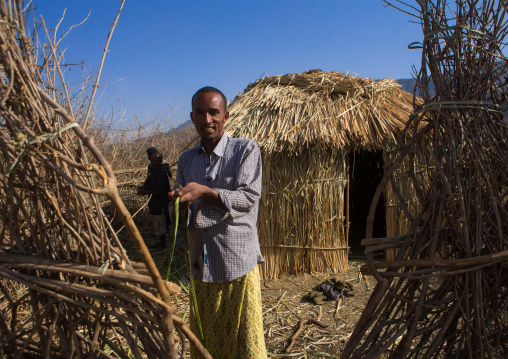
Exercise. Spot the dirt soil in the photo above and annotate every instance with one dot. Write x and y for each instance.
(285, 306)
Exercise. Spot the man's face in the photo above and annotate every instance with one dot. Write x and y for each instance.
(155, 161)
(209, 116)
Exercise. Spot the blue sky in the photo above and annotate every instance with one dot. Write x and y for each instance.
(163, 51)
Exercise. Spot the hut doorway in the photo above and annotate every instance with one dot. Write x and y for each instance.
(365, 174)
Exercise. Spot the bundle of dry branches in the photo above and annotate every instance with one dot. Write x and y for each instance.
(446, 292)
(68, 288)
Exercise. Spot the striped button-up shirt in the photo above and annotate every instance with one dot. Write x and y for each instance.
(224, 238)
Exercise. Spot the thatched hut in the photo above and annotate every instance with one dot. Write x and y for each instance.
(322, 138)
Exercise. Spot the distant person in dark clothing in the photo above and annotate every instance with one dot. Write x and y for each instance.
(157, 184)
(149, 152)
(165, 165)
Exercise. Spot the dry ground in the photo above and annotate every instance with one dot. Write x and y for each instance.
(285, 306)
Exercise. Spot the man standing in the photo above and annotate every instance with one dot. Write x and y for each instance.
(157, 184)
(165, 166)
(221, 180)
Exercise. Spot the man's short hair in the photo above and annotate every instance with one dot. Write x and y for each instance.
(151, 150)
(211, 89)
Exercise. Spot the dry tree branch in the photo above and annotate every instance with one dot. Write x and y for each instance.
(96, 86)
(110, 190)
(300, 329)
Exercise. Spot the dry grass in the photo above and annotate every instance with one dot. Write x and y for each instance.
(125, 150)
(285, 306)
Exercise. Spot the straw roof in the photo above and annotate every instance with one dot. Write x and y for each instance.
(324, 109)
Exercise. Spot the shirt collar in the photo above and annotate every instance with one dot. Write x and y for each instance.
(220, 148)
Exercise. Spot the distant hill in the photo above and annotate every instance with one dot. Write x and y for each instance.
(186, 124)
(409, 85)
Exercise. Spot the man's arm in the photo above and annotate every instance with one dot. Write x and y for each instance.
(248, 192)
(236, 202)
(149, 176)
(162, 185)
(147, 180)
(166, 167)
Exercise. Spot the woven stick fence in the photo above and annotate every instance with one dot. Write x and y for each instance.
(446, 293)
(68, 288)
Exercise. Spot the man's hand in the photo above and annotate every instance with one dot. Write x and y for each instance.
(192, 192)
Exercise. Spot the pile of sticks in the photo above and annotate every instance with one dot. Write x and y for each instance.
(446, 292)
(67, 288)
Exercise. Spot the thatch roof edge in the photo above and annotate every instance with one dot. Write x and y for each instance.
(315, 109)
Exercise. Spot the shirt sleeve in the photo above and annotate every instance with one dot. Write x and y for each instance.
(241, 200)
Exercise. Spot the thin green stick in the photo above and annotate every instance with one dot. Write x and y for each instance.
(177, 215)
(192, 290)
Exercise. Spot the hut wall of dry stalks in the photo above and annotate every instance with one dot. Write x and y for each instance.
(301, 219)
(305, 125)
(402, 202)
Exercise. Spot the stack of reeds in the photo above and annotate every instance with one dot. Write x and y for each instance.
(402, 201)
(446, 295)
(67, 288)
(301, 217)
(305, 124)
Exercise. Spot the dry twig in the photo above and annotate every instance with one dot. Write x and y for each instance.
(300, 329)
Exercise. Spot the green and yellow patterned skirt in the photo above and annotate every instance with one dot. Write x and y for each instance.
(231, 318)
